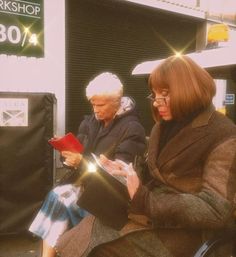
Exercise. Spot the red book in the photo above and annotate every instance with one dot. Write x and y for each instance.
(67, 143)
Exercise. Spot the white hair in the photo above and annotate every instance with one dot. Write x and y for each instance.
(105, 84)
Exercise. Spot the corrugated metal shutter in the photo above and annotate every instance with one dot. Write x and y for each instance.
(114, 36)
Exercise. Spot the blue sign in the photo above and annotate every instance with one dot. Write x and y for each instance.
(229, 98)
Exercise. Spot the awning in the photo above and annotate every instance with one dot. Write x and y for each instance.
(220, 62)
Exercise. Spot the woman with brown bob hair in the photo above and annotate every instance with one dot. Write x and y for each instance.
(191, 193)
(191, 87)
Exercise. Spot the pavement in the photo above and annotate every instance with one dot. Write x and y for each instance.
(24, 244)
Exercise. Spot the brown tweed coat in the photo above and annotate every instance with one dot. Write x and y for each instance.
(192, 196)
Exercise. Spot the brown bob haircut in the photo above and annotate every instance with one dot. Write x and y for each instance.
(191, 88)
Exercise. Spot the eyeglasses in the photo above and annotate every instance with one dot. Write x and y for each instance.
(158, 100)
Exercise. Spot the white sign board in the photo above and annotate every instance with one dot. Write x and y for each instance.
(13, 112)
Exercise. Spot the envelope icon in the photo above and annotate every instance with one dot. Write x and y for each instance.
(14, 118)
(13, 112)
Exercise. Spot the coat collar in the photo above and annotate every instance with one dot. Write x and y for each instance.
(203, 118)
(193, 132)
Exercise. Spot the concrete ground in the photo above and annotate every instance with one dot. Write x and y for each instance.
(19, 246)
(23, 245)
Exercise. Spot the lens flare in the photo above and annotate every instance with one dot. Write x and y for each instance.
(92, 167)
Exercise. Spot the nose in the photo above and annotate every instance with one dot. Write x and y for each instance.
(95, 112)
(95, 108)
(157, 104)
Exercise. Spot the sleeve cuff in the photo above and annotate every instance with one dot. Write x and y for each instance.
(137, 204)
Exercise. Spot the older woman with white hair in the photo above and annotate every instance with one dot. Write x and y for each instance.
(114, 130)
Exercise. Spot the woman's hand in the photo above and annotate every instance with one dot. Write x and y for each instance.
(117, 167)
(121, 168)
(72, 159)
(133, 181)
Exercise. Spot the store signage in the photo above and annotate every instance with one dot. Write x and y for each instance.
(21, 28)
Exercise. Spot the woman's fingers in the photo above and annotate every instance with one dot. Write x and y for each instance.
(108, 163)
(113, 167)
(133, 181)
(66, 153)
(71, 159)
(121, 168)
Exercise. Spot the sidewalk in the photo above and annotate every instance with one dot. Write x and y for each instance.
(19, 246)
(23, 245)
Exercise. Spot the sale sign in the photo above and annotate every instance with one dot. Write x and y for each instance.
(21, 28)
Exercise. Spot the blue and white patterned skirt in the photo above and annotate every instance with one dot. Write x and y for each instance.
(58, 213)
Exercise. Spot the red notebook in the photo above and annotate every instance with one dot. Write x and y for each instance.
(67, 143)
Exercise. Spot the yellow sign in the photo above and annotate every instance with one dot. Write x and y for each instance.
(218, 33)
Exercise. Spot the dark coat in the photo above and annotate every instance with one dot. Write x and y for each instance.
(124, 138)
(192, 196)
